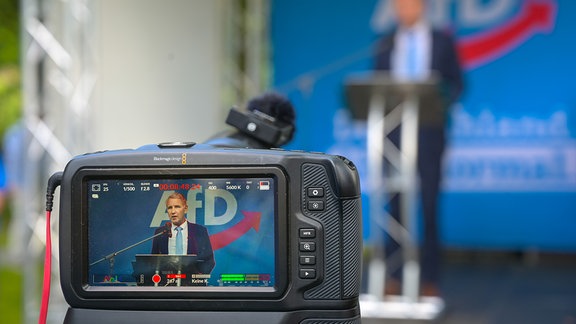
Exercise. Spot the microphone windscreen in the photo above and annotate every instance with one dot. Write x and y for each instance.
(275, 105)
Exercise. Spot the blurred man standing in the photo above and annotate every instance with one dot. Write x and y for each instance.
(413, 51)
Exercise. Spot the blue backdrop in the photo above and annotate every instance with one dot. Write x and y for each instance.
(510, 179)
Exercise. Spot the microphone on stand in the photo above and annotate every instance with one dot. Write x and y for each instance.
(168, 229)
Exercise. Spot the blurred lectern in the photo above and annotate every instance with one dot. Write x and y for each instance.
(162, 270)
(387, 104)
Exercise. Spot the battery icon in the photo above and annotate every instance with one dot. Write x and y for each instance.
(264, 185)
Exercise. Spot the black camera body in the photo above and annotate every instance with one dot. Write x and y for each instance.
(283, 241)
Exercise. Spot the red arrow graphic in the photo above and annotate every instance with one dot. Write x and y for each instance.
(535, 16)
(222, 239)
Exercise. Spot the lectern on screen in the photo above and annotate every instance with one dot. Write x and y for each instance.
(361, 89)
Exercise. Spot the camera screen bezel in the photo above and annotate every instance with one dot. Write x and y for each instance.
(79, 232)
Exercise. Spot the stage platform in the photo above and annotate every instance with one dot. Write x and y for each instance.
(494, 288)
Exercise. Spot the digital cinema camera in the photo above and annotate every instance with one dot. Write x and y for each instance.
(284, 236)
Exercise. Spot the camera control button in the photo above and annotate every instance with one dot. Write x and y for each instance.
(315, 205)
(315, 192)
(307, 273)
(176, 145)
(307, 246)
(307, 260)
(307, 233)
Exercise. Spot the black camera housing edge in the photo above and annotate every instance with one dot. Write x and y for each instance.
(331, 296)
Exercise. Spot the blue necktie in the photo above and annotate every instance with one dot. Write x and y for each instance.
(412, 58)
(179, 250)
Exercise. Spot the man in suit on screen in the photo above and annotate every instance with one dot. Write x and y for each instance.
(183, 237)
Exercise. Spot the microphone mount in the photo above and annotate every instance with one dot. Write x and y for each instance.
(110, 257)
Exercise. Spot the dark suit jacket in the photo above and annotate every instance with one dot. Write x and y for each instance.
(444, 60)
(198, 243)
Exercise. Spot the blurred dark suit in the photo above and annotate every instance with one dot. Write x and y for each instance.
(431, 138)
(198, 244)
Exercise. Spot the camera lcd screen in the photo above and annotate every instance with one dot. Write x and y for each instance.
(227, 239)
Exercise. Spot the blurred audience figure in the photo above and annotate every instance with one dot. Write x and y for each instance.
(14, 145)
(3, 191)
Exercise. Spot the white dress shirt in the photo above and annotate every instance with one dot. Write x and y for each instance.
(411, 56)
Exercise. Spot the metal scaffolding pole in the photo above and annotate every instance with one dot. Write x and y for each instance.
(387, 105)
(246, 49)
(57, 65)
(60, 70)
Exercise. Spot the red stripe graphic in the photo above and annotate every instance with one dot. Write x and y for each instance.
(535, 16)
(222, 239)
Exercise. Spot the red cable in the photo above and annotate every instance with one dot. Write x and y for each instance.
(54, 182)
(47, 270)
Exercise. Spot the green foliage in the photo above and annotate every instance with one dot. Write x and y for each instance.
(10, 110)
(9, 32)
(10, 89)
(10, 96)
(10, 296)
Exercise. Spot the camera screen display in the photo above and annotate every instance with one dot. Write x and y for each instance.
(202, 231)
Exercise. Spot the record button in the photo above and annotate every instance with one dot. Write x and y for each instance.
(315, 192)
